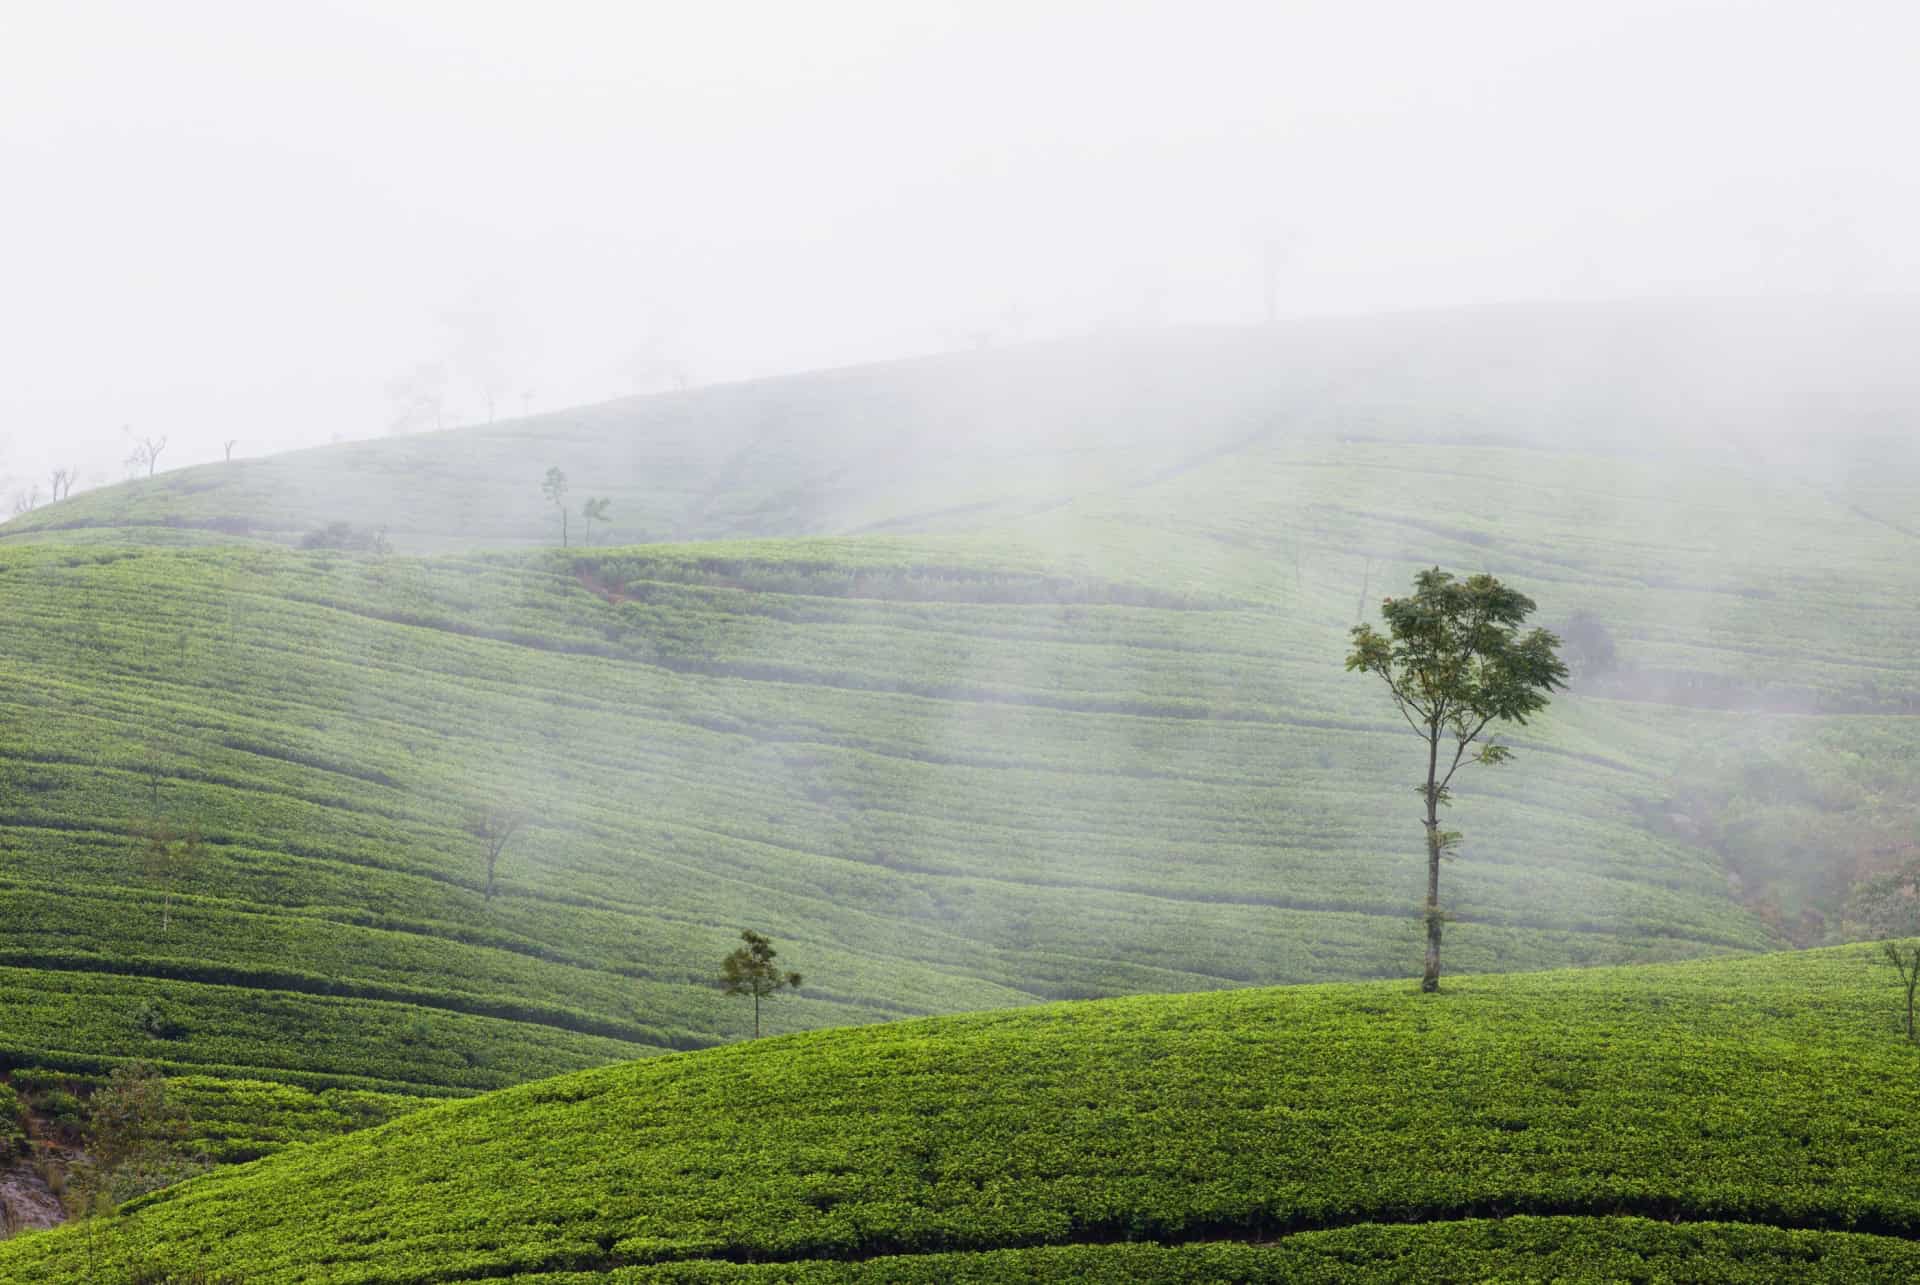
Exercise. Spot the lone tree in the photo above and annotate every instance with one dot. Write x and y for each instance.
(494, 828)
(1455, 661)
(1889, 906)
(168, 857)
(555, 489)
(594, 511)
(750, 970)
(146, 451)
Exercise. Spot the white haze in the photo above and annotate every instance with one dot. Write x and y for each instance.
(273, 222)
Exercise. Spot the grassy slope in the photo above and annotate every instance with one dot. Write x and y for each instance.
(934, 805)
(1092, 741)
(1242, 1131)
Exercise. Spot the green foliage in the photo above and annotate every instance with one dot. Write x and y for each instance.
(1079, 742)
(1710, 1104)
(1454, 659)
(950, 783)
(13, 1126)
(345, 536)
(1599, 1251)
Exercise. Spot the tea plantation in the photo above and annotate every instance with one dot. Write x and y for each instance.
(977, 683)
(1726, 1120)
(964, 785)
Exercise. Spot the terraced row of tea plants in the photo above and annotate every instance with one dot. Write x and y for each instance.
(1738, 1116)
(220, 1120)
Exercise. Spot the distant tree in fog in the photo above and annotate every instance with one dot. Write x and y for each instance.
(228, 446)
(494, 828)
(62, 483)
(479, 352)
(1589, 645)
(146, 451)
(418, 398)
(344, 535)
(1455, 662)
(750, 970)
(555, 489)
(594, 511)
(26, 501)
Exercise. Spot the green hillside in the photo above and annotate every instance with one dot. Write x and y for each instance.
(936, 802)
(1731, 1120)
(1039, 697)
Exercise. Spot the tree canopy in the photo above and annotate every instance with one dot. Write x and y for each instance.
(750, 970)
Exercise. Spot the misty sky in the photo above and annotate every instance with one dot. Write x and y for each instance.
(250, 219)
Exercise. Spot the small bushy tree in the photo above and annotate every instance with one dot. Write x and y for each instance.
(750, 970)
(1888, 905)
(1589, 644)
(136, 1140)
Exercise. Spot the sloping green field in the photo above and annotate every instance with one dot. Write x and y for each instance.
(1047, 703)
(1728, 1120)
(934, 801)
(1104, 750)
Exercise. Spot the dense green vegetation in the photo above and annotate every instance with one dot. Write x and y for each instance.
(1045, 705)
(949, 772)
(939, 804)
(1753, 1112)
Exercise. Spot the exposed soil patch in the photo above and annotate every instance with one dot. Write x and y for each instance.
(27, 1203)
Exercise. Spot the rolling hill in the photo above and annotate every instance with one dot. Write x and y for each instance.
(1729, 1120)
(991, 680)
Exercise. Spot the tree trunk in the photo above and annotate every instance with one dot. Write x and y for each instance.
(563, 528)
(1430, 980)
(756, 1015)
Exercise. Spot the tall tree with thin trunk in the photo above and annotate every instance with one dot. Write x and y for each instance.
(494, 828)
(168, 857)
(750, 970)
(594, 511)
(555, 489)
(1455, 661)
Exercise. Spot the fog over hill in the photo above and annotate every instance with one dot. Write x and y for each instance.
(730, 632)
(1817, 391)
